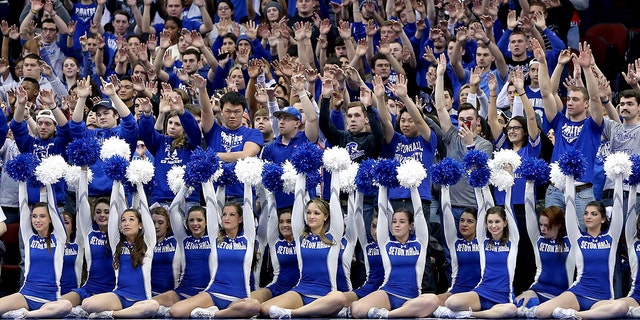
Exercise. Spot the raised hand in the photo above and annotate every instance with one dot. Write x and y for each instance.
(83, 89)
(492, 82)
(4, 27)
(584, 59)
(165, 39)
(631, 76)
(176, 103)
(371, 28)
(108, 88)
(538, 50)
(182, 75)
(361, 49)
(518, 79)
(327, 87)
(345, 30)
(252, 29)
(144, 105)
(21, 95)
(116, 82)
(297, 82)
(400, 87)
(198, 81)
(255, 68)
(36, 5)
(565, 56)
(442, 65)
(378, 87)
(243, 56)
(311, 75)
(14, 32)
(325, 26)
(47, 98)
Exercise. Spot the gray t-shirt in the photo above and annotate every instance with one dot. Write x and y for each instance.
(622, 137)
(462, 194)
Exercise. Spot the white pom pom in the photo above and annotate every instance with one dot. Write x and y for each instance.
(249, 170)
(502, 179)
(217, 174)
(51, 169)
(140, 171)
(411, 173)
(336, 159)
(503, 159)
(175, 178)
(72, 177)
(557, 177)
(289, 177)
(115, 146)
(348, 178)
(616, 164)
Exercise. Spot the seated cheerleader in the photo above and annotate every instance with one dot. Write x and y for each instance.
(165, 267)
(497, 236)
(282, 249)
(632, 234)
(132, 240)
(227, 295)
(317, 250)
(590, 296)
(43, 237)
(72, 267)
(373, 260)
(551, 248)
(403, 252)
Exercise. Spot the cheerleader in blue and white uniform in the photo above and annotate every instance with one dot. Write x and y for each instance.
(282, 249)
(227, 295)
(44, 236)
(132, 240)
(497, 236)
(590, 296)
(72, 267)
(632, 234)
(465, 260)
(165, 267)
(403, 252)
(194, 252)
(373, 260)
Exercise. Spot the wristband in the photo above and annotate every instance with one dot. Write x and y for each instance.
(604, 101)
(55, 107)
(471, 147)
(518, 94)
(34, 12)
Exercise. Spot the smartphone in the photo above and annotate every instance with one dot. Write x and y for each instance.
(467, 124)
(223, 55)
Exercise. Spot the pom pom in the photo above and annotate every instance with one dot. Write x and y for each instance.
(83, 152)
(502, 179)
(217, 174)
(115, 146)
(228, 177)
(573, 163)
(348, 178)
(479, 177)
(175, 178)
(313, 179)
(51, 169)
(474, 159)
(271, 177)
(249, 170)
(504, 159)
(116, 168)
(336, 159)
(364, 178)
(411, 173)
(289, 177)
(558, 178)
(213, 159)
(22, 167)
(386, 173)
(618, 163)
(306, 158)
(447, 173)
(72, 177)
(534, 169)
(634, 178)
(140, 171)
(201, 168)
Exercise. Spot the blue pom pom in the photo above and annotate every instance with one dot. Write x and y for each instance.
(386, 173)
(116, 168)
(23, 167)
(83, 152)
(228, 177)
(534, 169)
(306, 158)
(213, 160)
(313, 179)
(200, 168)
(634, 178)
(447, 172)
(272, 177)
(479, 177)
(475, 159)
(573, 163)
(364, 178)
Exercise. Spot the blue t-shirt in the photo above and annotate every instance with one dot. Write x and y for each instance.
(582, 135)
(417, 148)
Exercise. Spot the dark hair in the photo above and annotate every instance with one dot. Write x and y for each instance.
(139, 247)
(525, 129)
(46, 206)
(72, 235)
(555, 215)
(199, 209)
(194, 52)
(603, 212)
(630, 93)
(193, 109)
(49, 21)
(122, 12)
(470, 210)
(468, 106)
(181, 141)
(376, 57)
(505, 232)
(225, 1)
(161, 211)
(233, 98)
(32, 56)
(324, 207)
(33, 81)
(175, 20)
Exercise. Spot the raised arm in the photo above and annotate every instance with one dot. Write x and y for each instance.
(595, 106)
(546, 87)
(443, 114)
(492, 113)
(530, 115)
(383, 111)
(400, 90)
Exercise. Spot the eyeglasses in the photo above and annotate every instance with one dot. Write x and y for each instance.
(141, 145)
(513, 128)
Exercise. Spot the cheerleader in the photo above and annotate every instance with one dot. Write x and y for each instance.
(165, 267)
(632, 232)
(282, 249)
(43, 236)
(72, 266)
(372, 262)
(194, 249)
(227, 295)
(132, 241)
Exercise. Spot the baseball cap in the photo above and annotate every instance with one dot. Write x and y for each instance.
(103, 103)
(46, 114)
(290, 111)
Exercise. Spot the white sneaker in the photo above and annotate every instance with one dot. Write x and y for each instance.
(461, 314)
(344, 313)
(204, 313)
(560, 313)
(276, 312)
(634, 312)
(524, 312)
(163, 312)
(77, 312)
(15, 314)
(442, 312)
(378, 313)
(107, 314)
